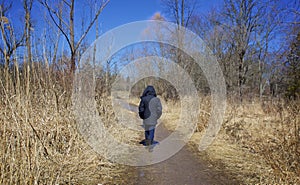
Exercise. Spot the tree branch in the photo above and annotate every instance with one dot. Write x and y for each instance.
(67, 3)
(91, 24)
(56, 24)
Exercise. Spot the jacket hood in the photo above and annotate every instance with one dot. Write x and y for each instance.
(149, 91)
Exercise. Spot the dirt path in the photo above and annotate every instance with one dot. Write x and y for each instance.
(182, 168)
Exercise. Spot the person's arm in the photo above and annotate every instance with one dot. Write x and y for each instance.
(159, 108)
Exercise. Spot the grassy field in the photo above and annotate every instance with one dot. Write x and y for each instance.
(257, 144)
(40, 143)
(39, 140)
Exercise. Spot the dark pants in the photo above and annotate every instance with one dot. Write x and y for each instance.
(149, 134)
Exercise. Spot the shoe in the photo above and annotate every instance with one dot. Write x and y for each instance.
(143, 142)
(148, 142)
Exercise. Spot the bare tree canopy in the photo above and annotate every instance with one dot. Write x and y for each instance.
(63, 18)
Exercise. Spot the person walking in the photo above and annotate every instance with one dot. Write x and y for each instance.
(150, 110)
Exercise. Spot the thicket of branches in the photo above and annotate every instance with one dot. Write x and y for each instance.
(256, 42)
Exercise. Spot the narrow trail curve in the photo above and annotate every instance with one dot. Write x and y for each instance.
(184, 168)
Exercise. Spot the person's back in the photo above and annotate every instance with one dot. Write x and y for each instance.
(150, 110)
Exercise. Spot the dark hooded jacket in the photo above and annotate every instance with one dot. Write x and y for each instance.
(150, 108)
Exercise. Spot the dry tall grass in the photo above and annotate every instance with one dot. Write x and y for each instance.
(39, 141)
(258, 142)
(265, 137)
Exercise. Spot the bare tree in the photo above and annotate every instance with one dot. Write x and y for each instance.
(242, 23)
(263, 37)
(250, 25)
(27, 5)
(180, 11)
(10, 41)
(241, 35)
(210, 29)
(290, 68)
(66, 24)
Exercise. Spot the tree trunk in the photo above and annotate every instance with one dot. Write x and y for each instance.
(28, 35)
(241, 76)
(6, 68)
(72, 38)
(73, 62)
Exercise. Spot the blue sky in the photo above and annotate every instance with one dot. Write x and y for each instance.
(117, 12)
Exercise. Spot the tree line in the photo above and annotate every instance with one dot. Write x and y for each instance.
(257, 43)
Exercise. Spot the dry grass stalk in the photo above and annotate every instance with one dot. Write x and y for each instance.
(39, 141)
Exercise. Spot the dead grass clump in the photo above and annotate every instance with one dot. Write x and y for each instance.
(39, 141)
(281, 149)
(271, 132)
(112, 122)
(171, 114)
(204, 114)
(258, 142)
(47, 149)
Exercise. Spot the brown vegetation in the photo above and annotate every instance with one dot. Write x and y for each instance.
(258, 142)
(259, 139)
(39, 139)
